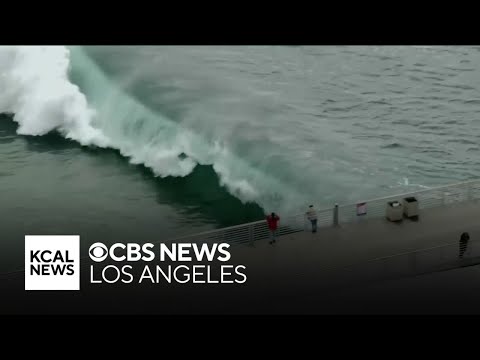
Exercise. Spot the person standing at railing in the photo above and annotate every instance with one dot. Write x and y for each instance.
(272, 221)
(312, 216)
(463, 244)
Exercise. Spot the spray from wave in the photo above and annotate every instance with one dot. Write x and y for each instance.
(36, 88)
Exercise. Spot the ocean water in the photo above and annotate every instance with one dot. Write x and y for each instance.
(159, 141)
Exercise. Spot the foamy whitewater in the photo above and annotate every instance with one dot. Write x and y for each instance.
(282, 127)
(37, 90)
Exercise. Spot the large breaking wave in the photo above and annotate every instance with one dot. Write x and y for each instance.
(36, 87)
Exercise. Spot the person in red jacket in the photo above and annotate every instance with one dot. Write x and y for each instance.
(272, 221)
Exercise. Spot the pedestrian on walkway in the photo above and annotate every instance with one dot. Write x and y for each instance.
(272, 221)
(463, 244)
(312, 216)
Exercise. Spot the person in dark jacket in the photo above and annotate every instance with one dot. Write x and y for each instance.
(272, 221)
(312, 216)
(463, 244)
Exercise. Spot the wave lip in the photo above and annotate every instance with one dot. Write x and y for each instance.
(35, 88)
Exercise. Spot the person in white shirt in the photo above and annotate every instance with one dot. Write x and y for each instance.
(312, 216)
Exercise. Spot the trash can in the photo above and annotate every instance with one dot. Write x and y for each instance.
(394, 211)
(410, 207)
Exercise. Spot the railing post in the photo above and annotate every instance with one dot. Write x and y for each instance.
(250, 235)
(335, 215)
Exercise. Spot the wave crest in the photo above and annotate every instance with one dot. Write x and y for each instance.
(35, 88)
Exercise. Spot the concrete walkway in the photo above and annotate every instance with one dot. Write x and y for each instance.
(356, 243)
(302, 266)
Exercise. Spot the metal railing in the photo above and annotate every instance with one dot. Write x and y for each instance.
(414, 263)
(249, 233)
(427, 198)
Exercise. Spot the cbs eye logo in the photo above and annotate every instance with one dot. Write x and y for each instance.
(98, 252)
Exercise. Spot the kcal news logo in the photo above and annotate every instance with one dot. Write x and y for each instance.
(52, 262)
